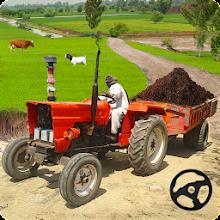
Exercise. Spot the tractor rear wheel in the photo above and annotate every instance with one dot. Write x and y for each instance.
(80, 179)
(16, 163)
(197, 138)
(148, 145)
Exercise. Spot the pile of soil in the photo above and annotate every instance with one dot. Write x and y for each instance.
(177, 88)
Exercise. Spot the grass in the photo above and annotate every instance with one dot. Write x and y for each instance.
(23, 73)
(205, 62)
(135, 23)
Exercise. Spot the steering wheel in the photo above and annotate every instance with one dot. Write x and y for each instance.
(105, 97)
(191, 190)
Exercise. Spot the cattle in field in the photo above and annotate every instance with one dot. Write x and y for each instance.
(24, 44)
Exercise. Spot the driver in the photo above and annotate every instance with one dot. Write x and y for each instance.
(119, 108)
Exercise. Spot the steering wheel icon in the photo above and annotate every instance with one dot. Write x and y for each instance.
(191, 190)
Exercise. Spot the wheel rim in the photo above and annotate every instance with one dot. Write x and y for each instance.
(21, 162)
(85, 180)
(155, 145)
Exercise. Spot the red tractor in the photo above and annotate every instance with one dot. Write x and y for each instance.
(76, 135)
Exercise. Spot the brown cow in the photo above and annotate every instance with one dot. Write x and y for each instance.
(24, 44)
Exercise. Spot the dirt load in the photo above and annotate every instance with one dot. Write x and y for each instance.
(177, 88)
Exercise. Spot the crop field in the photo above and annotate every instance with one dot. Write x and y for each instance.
(135, 23)
(23, 73)
(205, 62)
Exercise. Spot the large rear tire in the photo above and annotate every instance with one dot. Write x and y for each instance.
(197, 138)
(80, 179)
(14, 161)
(148, 145)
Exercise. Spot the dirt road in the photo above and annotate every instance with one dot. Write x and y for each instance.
(122, 195)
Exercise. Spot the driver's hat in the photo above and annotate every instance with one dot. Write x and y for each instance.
(110, 80)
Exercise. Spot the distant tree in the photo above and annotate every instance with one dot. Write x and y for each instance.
(163, 5)
(215, 21)
(40, 10)
(8, 12)
(117, 9)
(50, 13)
(120, 5)
(199, 13)
(80, 8)
(157, 17)
(144, 8)
(67, 9)
(60, 10)
(20, 14)
(215, 45)
(168, 42)
(26, 17)
(118, 29)
(93, 11)
(152, 5)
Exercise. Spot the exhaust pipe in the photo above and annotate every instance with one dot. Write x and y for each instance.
(95, 94)
(51, 80)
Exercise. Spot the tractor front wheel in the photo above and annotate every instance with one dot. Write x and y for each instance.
(148, 145)
(16, 163)
(80, 179)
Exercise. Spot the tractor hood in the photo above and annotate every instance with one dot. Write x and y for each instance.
(65, 114)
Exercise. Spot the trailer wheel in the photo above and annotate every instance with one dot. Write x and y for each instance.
(15, 162)
(80, 179)
(148, 145)
(198, 137)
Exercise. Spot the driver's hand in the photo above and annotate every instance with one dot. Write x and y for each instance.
(106, 94)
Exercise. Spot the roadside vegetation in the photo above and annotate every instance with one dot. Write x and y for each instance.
(202, 19)
(23, 73)
(136, 15)
(116, 6)
(205, 62)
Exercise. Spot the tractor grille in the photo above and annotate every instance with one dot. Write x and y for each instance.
(45, 135)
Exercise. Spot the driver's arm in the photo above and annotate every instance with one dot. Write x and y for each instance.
(115, 92)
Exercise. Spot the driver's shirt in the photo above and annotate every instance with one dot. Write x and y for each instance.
(119, 95)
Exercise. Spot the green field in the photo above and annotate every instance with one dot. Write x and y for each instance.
(205, 62)
(23, 73)
(135, 23)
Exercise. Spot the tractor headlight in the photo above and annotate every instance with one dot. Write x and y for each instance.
(70, 134)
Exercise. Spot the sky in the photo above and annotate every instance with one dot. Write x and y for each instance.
(15, 2)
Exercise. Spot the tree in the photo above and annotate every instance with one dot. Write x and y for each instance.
(26, 17)
(215, 21)
(79, 8)
(215, 45)
(199, 13)
(93, 11)
(118, 29)
(152, 5)
(163, 5)
(157, 17)
(50, 13)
